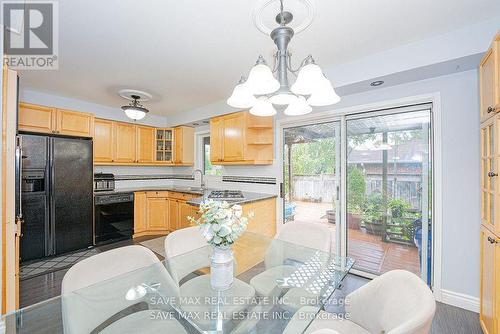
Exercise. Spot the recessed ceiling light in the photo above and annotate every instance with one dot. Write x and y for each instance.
(377, 83)
(206, 122)
(196, 124)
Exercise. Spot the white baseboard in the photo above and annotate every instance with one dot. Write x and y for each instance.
(460, 300)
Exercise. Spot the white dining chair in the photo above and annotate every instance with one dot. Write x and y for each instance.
(397, 302)
(186, 252)
(112, 292)
(294, 245)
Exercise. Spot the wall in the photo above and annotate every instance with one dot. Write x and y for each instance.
(460, 186)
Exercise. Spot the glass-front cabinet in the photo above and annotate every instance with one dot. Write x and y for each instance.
(163, 145)
(489, 173)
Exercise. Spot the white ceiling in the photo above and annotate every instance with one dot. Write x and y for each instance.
(190, 53)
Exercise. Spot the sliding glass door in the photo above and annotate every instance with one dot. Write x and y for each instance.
(368, 177)
(389, 209)
(311, 174)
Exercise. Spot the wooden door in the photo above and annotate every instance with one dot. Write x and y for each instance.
(103, 140)
(157, 214)
(173, 214)
(216, 139)
(35, 118)
(489, 279)
(185, 210)
(124, 142)
(74, 123)
(234, 137)
(140, 212)
(145, 144)
(487, 87)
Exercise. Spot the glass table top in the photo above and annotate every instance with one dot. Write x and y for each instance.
(273, 279)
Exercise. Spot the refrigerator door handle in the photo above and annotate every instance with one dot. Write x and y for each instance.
(19, 168)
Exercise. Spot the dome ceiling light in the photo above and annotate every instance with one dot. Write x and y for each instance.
(135, 110)
(266, 87)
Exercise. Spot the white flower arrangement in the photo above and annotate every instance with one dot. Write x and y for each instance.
(221, 223)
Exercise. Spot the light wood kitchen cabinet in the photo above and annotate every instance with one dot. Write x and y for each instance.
(41, 119)
(145, 143)
(140, 212)
(173, 211)
(34, 118)
(216, 136)
(74, 123)
(183, 146)
(163, 145)
(489, 81)
(158, 214)
(241, 139)
(264, 217)
(489, 76)
(124, 138)
(103, 140)
(489, 282)
(185, 211)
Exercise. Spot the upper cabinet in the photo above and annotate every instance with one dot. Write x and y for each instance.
(489, 81)
(163, 146)
(145, 143)
(118, 143)
(183, 146)
(241, 139)
(103, 140)
(40, 119)
(74, 123)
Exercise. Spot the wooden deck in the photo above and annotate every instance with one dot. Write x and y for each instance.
(370, 252)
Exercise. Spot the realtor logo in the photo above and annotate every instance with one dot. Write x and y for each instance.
(30, 34)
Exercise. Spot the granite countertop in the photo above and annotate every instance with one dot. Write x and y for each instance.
(203, 194)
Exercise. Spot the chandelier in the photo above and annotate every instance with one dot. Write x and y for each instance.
(266, 87)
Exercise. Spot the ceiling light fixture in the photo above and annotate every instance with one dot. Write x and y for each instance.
(135, 110)
(262, 89)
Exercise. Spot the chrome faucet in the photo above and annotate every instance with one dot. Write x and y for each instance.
(202, 182)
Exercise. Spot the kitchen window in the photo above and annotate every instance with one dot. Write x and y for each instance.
(208, 168)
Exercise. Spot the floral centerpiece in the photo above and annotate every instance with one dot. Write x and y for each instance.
(221, 225)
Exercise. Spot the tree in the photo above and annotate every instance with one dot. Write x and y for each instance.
(356, 188)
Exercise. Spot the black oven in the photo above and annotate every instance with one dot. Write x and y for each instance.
(114, 217)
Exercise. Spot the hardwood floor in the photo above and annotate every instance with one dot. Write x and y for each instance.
(448, 319)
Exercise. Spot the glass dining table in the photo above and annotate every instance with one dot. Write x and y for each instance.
(273, 279)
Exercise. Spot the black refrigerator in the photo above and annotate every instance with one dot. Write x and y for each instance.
(55, 193)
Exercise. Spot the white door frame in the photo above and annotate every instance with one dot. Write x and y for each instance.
(339, 115)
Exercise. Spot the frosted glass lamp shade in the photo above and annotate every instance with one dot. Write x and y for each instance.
(241, 97)
(282, 98)
(263, 107)
(298, 107)
(323, 94)
(309, 76)
(261, 80)
(135, 113)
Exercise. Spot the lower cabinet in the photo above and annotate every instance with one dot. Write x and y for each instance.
(158, 215)
(160, 212)
(264, 217)
(490, 282)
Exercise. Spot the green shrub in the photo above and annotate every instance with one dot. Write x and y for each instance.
(356, 188)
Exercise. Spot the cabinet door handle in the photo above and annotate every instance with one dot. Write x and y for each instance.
(492, 174)
(491, 109)
(492, 240)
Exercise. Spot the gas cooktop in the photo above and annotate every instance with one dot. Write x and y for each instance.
(226, 194)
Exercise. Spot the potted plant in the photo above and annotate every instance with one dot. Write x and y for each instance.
(372, 214)
(221, 224)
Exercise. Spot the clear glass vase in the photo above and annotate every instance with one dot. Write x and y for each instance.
(222, 268)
